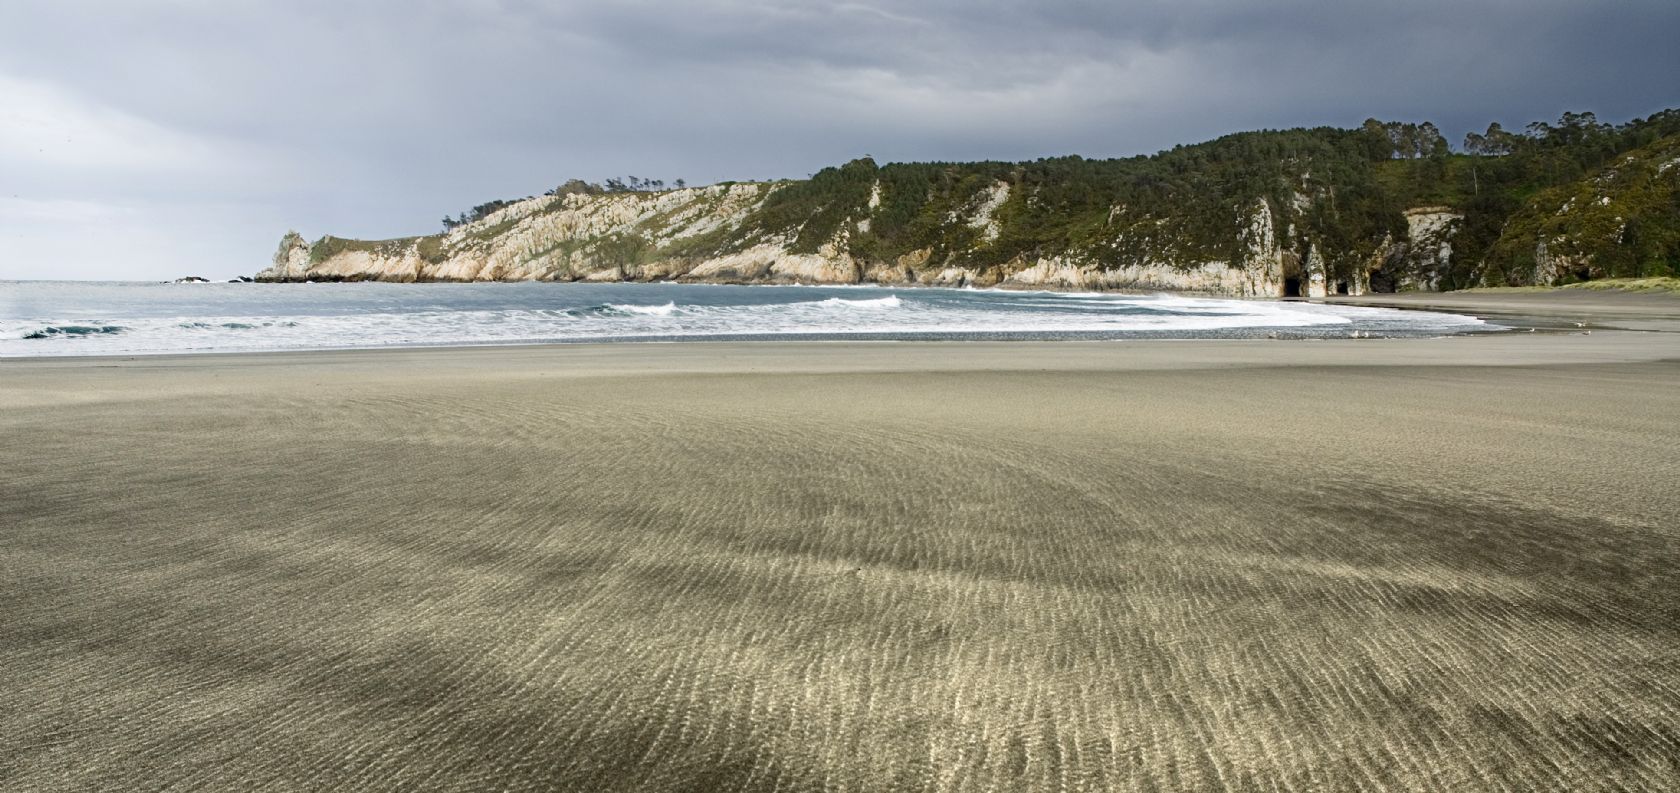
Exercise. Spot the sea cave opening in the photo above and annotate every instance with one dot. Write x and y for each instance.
(1291, 287)
(1341, 287)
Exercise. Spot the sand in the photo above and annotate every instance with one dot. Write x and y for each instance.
(1441, 564)
(1655, 311)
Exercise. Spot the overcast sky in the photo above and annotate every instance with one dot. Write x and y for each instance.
(149, 139)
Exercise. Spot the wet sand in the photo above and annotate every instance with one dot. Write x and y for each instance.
(1545, 308)
(1442, 564)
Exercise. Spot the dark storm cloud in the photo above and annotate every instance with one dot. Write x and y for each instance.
(134, 134)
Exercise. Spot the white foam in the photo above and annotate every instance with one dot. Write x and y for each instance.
(279, 317)
(890, 301)
(658, 311)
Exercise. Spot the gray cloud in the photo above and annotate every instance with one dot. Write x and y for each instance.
(151, 139)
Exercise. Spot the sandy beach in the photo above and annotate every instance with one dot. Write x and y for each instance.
(1424, 564)
(1554, 307)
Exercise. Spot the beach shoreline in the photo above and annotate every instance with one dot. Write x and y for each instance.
(1551, 308)
(118, 319)
(1434, 563)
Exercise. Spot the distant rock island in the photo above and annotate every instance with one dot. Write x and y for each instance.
(1386, 207)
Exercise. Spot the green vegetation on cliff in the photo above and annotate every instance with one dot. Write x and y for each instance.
(330, 246)
(1620, 221)
(1575, 200)
(1342, 191)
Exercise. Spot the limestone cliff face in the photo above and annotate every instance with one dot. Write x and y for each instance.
(291, 261)
(1418, 261)
(740, 233)
(1274, 213)
(569, 237)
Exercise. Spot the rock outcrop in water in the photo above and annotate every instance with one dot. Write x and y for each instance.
(1298, 213)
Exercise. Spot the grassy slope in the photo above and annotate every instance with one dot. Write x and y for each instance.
(1622, 221)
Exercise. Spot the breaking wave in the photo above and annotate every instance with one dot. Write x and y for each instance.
(111, 319)
(890, 301)
(657, 311)
(72, 331)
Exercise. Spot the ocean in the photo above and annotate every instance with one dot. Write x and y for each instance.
(46, 318)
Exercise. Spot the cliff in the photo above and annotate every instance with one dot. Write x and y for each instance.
(711, 234)
(1298, 212)
(1623, 220)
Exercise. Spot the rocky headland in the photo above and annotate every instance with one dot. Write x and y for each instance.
(1308, 213)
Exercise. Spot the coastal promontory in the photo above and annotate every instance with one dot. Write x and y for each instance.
(1386, 207)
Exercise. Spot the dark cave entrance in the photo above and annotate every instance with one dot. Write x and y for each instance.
(1292, 287)
(1382, 282)
(1341, 287)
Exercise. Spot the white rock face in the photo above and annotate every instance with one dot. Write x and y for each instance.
(1429, 231)
(773, 263)
(1418, 262)
(1262, 263)
(1211, 277)
(1551, 266)
(547, 238)
(631, 236)
(874, 204)
(951, 276)
(984, 207)
(291, 261)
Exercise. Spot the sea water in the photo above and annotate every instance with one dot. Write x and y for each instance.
(107, 318)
